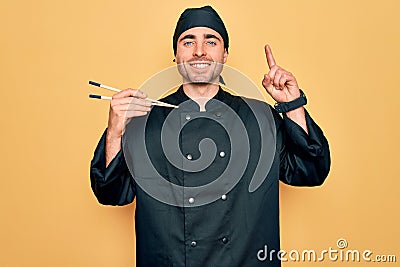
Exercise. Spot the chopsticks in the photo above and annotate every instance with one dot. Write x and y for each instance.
(153, 102)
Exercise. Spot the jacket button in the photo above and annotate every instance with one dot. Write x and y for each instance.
(218, 114)
(189, 157)
(191, 200)
(193, 243)
(224, 240)
(222, 154)
(223, 197)
(187, 117)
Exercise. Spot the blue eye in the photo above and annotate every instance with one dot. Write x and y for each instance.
(212, 43)
(188, 43)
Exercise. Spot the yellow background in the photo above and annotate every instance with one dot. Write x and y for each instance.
(344, 54)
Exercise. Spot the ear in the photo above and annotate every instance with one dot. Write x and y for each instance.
(225, 56)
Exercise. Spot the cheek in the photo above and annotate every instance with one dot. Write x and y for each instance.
(183, 55)
(218, 56)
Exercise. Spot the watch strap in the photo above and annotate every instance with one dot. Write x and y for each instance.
(291, 105)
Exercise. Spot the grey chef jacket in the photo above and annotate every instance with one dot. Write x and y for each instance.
(231, 230)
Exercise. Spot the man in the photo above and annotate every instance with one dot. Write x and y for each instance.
(230, 230)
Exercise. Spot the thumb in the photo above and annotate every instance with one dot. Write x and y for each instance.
(267, 82)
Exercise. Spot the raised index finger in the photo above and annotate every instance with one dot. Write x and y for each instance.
(270, 57)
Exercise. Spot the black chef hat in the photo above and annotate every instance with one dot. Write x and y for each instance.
(204, 16)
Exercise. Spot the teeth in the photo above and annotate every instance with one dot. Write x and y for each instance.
(200, 65)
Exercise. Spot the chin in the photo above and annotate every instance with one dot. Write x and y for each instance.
(201, 79)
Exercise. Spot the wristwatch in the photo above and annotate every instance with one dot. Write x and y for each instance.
(288, 106)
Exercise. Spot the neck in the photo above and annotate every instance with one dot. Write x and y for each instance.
(201, 92)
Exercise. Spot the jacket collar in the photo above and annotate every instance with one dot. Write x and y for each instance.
(221, 95)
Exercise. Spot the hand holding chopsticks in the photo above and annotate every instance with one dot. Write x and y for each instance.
(153, 102)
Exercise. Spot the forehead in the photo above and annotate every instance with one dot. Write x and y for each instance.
(200, 32)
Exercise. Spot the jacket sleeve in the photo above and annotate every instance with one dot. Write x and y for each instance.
(113, 185)
(304, 158)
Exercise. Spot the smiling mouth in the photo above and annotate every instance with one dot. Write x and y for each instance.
(201, 65)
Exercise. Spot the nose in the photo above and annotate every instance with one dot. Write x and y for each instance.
(199, 51)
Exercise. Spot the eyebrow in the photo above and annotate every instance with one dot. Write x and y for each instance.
(211, 36)
(188, 36)
(206, 36)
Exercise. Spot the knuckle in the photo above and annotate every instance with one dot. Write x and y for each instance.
(113, 103)
(135, 101)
